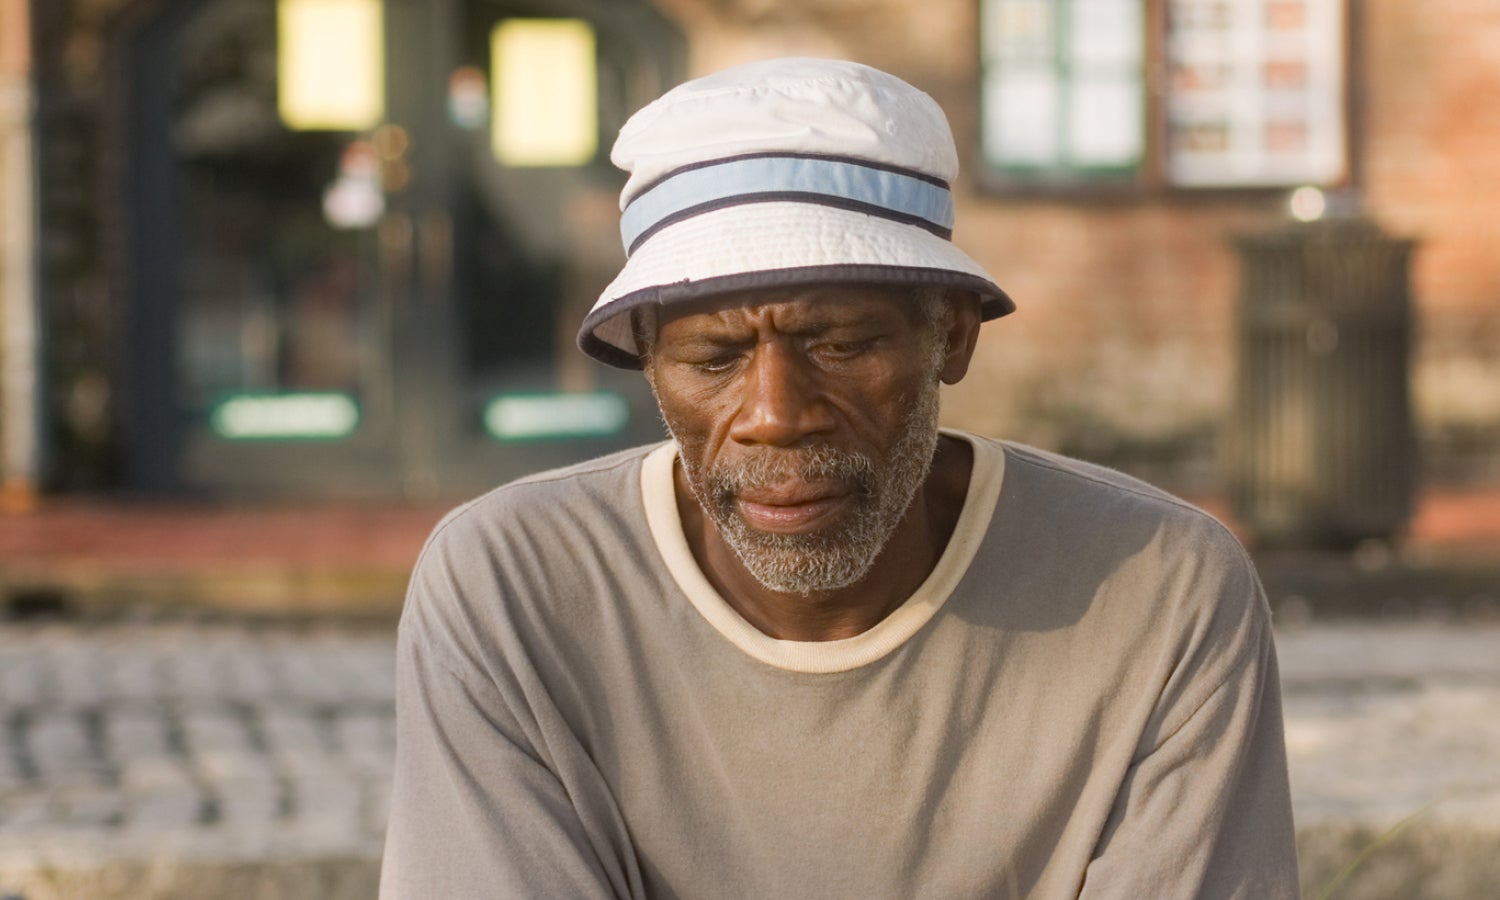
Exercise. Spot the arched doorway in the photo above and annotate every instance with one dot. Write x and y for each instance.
(330, 310)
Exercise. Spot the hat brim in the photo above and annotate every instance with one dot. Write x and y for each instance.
(775, 244)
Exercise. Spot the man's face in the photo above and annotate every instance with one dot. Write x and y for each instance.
(807, 421)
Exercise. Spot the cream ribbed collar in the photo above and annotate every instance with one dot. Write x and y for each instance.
(825, 656)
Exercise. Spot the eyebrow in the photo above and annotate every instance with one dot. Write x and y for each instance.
(701, 341)
(720, 330)
(735, 336)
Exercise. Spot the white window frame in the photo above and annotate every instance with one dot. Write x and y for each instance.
(1229, 94)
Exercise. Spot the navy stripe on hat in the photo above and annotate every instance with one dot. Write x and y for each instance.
(904, 196)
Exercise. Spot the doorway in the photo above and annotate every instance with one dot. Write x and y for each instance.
(383, 308)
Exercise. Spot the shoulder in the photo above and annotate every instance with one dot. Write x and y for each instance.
(1099, 498)
(527, 553)
(567, 497)
(1094, 564)
(538, 532)
(1121, 544)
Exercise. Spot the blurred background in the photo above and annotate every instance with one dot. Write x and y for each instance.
(283, 280)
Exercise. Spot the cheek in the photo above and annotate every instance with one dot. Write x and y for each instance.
(691, 426)
(690, 414)
(874, 410)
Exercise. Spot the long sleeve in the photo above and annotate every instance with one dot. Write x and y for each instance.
(492, 796)
(1205, 809)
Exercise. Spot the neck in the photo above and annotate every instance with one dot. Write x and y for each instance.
(904, 563)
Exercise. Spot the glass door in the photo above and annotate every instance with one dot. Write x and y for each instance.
(528, 97)
(366, 232)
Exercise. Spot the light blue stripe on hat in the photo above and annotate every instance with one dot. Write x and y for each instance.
(906, 196)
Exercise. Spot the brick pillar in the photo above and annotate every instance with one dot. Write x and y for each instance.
(20, 457)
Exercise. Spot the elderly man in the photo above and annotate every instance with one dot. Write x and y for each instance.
(816, 646)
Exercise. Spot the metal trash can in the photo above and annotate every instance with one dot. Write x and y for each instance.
(1322, 452)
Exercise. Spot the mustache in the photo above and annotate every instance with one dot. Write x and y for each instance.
(770, 466)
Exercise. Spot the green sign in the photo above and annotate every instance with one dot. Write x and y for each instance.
(299, 416)
(511, 417)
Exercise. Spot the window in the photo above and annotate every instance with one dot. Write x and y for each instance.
(330, 64)
(1176, 93)
(1064, 93)
(546, 92)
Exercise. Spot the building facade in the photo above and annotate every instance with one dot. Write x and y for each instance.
(340, 247)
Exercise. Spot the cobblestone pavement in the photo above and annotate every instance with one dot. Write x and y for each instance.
(1386, 721)
(221, 742)
(218, 741)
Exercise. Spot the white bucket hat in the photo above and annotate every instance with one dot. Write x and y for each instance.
(778, 173)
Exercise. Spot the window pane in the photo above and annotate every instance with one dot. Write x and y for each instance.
(1021, 111)
(1064, 92)
(1256, 92)
(1106, 34)
(276, 307)
(1105, 123)
(546, 90)
(1017, 31)
(330, 64)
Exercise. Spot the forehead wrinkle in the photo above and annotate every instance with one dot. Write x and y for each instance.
(803, 312)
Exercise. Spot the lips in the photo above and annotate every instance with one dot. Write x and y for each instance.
(790, 509)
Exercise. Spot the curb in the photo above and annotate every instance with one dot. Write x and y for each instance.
(1431, 860)
(329, 878)
(261, 592)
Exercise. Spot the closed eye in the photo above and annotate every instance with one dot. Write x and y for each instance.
(715, 365)
(843, 349)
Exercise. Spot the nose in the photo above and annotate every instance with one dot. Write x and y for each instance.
(782, 403)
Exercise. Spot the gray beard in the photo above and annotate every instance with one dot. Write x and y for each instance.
(836, 557)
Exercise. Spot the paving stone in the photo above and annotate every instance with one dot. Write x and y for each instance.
(13, 770)
(378, 803)
(372, 668)
(312, 678)
(247, 799)
(135, 673)
(165, 809)
(23, 677)
(293, 733)
(26, 811)
(77, 679)
(12, 777)
(194, 673)
(367, 740)
(134, 733)
(222, 747)
(327, 800)
(88, 807)
(217, 742)
(247, 672)
(60, 747)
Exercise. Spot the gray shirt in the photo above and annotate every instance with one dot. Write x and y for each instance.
(1081, 700)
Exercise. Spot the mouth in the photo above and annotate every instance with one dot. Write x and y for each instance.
(792, 509)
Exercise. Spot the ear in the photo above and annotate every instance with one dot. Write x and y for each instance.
(963, 335)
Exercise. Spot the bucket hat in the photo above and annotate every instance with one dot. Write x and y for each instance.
(779, 173)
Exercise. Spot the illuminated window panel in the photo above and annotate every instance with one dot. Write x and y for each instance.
(330, 64)
(514, 417)
(544, 90)
(1063, 88)
(1245, 94)
(291, 416)
(1257, 93)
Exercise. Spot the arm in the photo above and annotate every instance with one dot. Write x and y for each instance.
(1204, 811)
(493, 796)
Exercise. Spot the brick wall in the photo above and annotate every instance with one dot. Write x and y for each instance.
(1123, 345)
(1431, 156)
